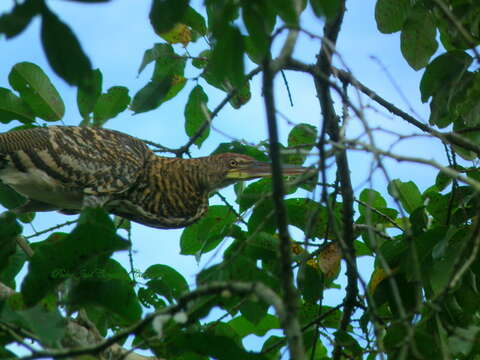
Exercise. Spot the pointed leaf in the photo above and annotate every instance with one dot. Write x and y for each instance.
(14, 108)
(37, 91)
(197, 114)
(87, 98)
(150, 96)
(175, 283)
(64, 52)
(408, 194)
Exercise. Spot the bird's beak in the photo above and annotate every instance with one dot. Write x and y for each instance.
(260, 169)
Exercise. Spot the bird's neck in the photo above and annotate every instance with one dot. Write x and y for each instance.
(173, 187)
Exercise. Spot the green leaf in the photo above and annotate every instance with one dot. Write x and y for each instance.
(205, 235)
(167, 61)
(9, 198)
(443, 73)
(244, 327)
(373, 198)
(196, 21)
(310, 282)
(328, 8)
(254, 19)
(10, 267)
(110, 104)
(391, 15)
(151, 96)
(254, 311)
(215, 346)
(108, 287)
(348, 342)
(227, 57)
(47, 324)
(302, 137)
(407, 193)
(239, 148)
(55, 261)
(418, 41)
(87, 98)
(14, 108)
(197, 114)
(17, 20)
(64, 52)
(174, 281)
(10, 229)
(37, 91)
(164, 14)
(286, 10)
(241, 97)
(201, 61)
(442, 180)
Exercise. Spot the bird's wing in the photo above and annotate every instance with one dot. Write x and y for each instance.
(95, 161)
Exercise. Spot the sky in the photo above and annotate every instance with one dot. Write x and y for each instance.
(115, 36)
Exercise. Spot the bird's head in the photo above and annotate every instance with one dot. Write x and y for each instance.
(228, 168)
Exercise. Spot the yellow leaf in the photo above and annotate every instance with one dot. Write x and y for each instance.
(297, 249)
(377, 277)
(180, 34)
(329, 259)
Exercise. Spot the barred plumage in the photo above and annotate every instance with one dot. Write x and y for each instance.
(66, 168)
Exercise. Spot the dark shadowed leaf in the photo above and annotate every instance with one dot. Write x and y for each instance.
(55, 261)
(9, 230)
(37, 91)
(327, 8)
(164, 14)
(10, 267)
(110, 288)
(197, 114)
(174, 281)
(64, 52)
(443, 72)
(150, 96)
(14, 108)
(9, 198)
(196, 21)
(286, 10)
(310, 283)
(43, 322)
(227, 57)
(418, 41)
(17, 20)
(254, 311)
(110, 104)
(391, 15)
(254, 14)
(87, 98)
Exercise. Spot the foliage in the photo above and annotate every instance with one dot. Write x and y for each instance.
(422, 298)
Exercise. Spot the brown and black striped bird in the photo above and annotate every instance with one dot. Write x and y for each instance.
(67, 168)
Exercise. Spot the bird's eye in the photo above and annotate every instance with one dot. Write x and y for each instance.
(233, 163)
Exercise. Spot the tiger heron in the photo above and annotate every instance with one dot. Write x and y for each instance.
(66, 168)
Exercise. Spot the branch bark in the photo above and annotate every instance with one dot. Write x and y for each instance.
(330, 118)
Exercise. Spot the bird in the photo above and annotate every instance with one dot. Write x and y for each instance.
(69, 168)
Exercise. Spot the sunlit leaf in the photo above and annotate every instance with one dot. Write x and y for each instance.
(37, 91)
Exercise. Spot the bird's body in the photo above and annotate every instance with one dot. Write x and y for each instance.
(66, 168)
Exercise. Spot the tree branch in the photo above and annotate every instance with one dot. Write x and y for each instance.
(330, 118)
(290, 296)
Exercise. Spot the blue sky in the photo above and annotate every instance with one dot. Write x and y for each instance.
(115, 36)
